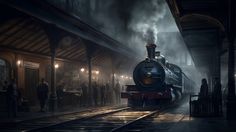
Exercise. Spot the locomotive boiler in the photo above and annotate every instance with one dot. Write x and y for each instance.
(156, 81)
(152, 73)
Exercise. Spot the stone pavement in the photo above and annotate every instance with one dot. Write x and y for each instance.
(21, 116)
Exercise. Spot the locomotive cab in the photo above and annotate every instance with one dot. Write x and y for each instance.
(160, 58)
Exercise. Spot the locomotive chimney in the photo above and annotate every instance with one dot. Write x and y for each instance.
(151, 50)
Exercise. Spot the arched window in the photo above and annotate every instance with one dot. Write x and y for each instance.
(4, 72)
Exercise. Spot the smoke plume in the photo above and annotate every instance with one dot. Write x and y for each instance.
(135, 23)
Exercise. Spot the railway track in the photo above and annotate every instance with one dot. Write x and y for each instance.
(124, 120)
(45, 122)
(166, 113)
(114, 121)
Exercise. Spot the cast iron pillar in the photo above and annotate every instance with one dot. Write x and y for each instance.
(53, 94)
(90, 51)
(112, 72)
(231, 100)
(54, 35)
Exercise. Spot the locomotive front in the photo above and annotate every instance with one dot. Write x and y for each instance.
(149, 75)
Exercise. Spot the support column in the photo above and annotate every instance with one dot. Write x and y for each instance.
(231, 99)
(113, 99)
(113, 74)
(217, 62)
(53, 94)
(90, 79)
(54, 37)
(90, 51)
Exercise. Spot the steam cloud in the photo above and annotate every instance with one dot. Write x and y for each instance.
(145, 18)
(136, 23)
(149, 22)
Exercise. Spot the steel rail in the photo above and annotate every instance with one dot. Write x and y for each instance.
(118, 129)
(60, 114)
(77, 119)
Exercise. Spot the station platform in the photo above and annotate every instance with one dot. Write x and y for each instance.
(178, 120)
(24, 116)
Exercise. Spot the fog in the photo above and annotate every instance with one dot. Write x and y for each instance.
(135, 23)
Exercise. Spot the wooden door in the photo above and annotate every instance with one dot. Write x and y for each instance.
(31, 82)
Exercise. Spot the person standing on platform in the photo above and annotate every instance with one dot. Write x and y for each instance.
(108, 94)
(204, 89)
(117, 93)
(42, 92)
(95, 93)
(102, 90)
(60, 94)
(85, 94)
(12, 99)
(203, 100)
(217, 97)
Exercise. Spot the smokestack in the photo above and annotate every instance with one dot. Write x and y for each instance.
(151, 51)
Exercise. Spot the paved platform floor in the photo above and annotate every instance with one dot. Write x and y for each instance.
(178, 120)
(21, 116)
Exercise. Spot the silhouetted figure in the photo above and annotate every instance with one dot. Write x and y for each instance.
(79, 95)
(60, 94)
(108, 94)
(204, 89)
(12, 99)
(217, 97)
(225, 94)
(42, 92)
(102, 90)
(203, 99)
(95, 93)
(19, 99)
(84, 94)
(117, 92)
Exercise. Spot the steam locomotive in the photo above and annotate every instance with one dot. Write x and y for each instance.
(156, 81)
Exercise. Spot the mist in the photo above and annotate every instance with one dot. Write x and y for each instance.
(135, 23)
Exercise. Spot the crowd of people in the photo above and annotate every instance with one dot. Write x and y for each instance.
(99, 94)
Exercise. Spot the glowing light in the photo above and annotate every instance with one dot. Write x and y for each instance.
(130, 78)
(56, 66)
(82, 69)
(122, 76)
(126, 77)
(18, 62)
(97, 72)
